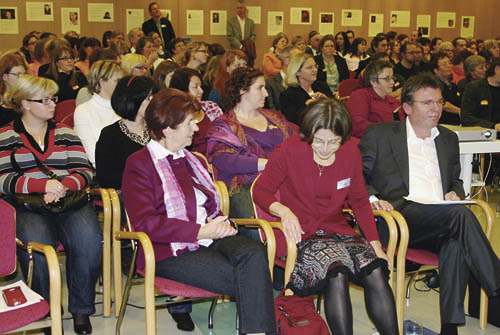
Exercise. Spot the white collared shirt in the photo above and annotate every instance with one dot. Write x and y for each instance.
(160, 152)
(242, 26)
(423, 165)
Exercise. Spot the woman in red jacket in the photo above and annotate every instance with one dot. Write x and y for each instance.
(315, 175)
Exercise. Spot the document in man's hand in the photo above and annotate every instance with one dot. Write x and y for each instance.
(439, 202)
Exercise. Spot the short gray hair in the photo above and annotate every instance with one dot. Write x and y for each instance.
(471, 63)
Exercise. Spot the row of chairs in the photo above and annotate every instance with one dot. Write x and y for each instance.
(281, 252)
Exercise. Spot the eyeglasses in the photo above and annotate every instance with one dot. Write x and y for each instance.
(17, 74)
(64, 58)
(202, 50)
(140, 67)
(45, 101)
(429, 103)
(328, 143)
(388, 78)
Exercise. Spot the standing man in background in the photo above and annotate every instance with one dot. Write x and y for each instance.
(159, 24)
(240, 27)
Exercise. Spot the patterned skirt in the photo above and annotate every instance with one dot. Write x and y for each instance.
(325, 255)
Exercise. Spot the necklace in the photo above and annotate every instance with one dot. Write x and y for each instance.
(39, 137)
(321, 168)
(142, 140)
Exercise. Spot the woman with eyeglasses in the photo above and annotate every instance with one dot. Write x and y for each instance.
(374, 103)
(332, 67)
(59, 149)
(28, 48)
(135, 65)
(97, 113)
(63, 71)
(196, 55)
(315, 175)
(86, 49)
(302, 87)
(12, 66)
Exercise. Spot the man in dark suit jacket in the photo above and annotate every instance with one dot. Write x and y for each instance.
(419, 159)
(161, 25)
(481, 100)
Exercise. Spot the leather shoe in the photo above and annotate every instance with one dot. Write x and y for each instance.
(184, 321)
(81, 324)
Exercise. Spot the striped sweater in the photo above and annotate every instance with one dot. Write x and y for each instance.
(63, 154)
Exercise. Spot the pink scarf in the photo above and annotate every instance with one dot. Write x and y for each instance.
(174, 197)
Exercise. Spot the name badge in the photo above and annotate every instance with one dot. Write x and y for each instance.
(343, 183)
(75, 87)
(164, 26)
(484, 102)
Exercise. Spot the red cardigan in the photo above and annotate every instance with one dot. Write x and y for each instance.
(143, 197)
(367, 107)
(292, 170)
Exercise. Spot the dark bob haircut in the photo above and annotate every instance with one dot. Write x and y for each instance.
(129, 94)
(181, 78)
(326, 114)
(169, 108)
(490, 72)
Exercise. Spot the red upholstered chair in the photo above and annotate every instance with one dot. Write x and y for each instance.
(69, 120)
(63, 109)
(28, 317)
(347, 86)
(169, 287)
(286, 250)
(429, 260)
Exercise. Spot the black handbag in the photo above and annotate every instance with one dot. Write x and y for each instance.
(34, 202)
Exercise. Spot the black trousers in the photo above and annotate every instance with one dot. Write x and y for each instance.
(234, 266)
(454, 233)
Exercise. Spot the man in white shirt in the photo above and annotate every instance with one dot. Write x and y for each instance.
(418, 159)
(240, 27)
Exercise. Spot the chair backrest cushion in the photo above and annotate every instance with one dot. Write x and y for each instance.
(8, 234)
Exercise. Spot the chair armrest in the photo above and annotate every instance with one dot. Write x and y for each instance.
(55, 283)
(149, 275)
(268, 232)
(488, 212)
(223, 195)
(393, 238)
(291, 254)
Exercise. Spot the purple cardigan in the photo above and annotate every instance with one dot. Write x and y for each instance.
(143, 197)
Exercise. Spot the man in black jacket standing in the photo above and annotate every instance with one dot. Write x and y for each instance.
(159, 24)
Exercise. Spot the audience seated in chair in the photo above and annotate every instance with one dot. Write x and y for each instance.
(393, 155)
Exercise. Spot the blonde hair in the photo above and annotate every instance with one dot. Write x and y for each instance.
(27, 87)
(129, 61)
(191, 49)
(103, 69)
(294, 66)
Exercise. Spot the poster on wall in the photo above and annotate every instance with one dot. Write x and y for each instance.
(70, 19)
(300, 15)
(166, 13)
(400, 18)
(9, 23)
(326, 23)
(194, 22)
(352, 17)
(375, 24)
(39, 11)
(424, 25)
(133, 18)
(445, 19)
(254, 13)
(275, 23)
(101, 12)
(218, 20)
(467, 26)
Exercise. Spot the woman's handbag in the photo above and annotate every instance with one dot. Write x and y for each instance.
(35, 202)
(297, 316)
